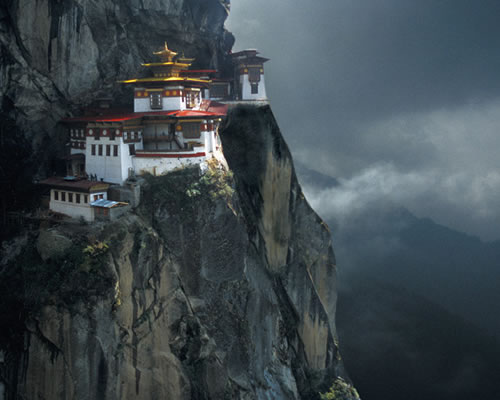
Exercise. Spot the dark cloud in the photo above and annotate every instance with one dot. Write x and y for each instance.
(411, 85)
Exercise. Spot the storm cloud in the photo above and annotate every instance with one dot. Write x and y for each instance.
(399, 99)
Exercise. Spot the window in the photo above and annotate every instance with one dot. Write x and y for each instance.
(115, 150)
(101, 196)
(155, 101)
(85, 198)
(131, 149)
(56, 195)
(191, 130)
(108, 150)
(100, 149)
(63, 196)
(113, 134)
(97, 134)
(218, 91)
(70, 197)
(93, 149)
(78, 198)
(96, 197)
(255, 88)
(190, 103)
(254, 74)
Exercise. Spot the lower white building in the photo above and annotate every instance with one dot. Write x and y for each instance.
(73, 197)
(117, 147)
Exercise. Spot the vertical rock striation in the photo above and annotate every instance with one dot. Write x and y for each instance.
(209, 296)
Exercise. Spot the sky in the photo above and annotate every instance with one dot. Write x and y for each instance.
(398, 99)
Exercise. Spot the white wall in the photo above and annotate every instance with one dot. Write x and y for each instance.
(142, 104)
(172, 103)
(160, 165)
(246, 92)
(109, 168)
(127, 159)
(73, 209)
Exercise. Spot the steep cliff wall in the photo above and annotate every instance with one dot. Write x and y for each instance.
(211, 289)
(204, 294)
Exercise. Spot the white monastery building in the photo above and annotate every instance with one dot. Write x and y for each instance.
(175, 120)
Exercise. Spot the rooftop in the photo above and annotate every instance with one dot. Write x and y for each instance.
(75, 184)
(210, 112)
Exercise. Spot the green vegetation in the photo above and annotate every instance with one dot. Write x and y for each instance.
(186, 189)
(340, 390)
(217, 181)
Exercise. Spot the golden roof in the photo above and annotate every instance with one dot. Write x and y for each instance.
(166, 54)
(166, 64)
(170, 79)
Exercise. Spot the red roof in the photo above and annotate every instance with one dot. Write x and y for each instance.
(77, 185)
(131, 116)
(214, 107)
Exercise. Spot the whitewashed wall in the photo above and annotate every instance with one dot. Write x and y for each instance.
(161, 165)
(246, 92)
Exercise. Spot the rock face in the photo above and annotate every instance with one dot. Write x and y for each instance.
(205, 292)
(209, 297)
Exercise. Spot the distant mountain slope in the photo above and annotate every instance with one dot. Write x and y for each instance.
(453, 269)
(311, 176)
(400, 346)
(385, 242)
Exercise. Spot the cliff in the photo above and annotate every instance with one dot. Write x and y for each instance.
(219, 286)
(205, 292)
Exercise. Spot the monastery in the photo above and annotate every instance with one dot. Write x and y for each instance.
(174, 123)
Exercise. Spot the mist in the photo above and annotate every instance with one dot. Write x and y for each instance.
(402, 91)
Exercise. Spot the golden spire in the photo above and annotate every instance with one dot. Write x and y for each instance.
(166, 54)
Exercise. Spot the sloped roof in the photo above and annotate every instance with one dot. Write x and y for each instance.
(214, 112)
(77, 185)
(107, 203)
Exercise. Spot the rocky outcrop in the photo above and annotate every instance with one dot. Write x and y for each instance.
(210, 289)
(210, 294)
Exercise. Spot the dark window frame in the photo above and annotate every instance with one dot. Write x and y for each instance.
(155, 101)
(191, 130)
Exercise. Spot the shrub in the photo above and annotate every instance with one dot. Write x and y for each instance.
(340, 390)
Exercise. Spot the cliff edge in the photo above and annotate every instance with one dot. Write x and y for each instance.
(219, 286)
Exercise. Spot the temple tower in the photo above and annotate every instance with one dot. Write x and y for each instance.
(249, 75)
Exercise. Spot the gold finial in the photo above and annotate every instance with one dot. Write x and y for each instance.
(166, 54)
